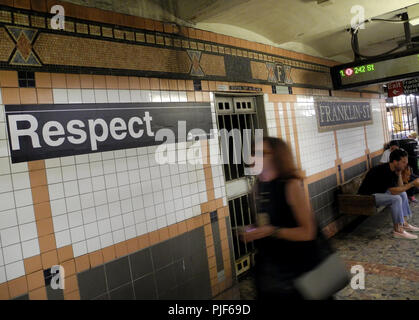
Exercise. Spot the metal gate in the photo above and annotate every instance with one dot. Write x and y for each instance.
(238, 113)
(402, 116)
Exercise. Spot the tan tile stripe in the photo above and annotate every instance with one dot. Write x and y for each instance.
(296, 143)
(366, 137)
(387, 271)
(335, 136)
(354, 162)
(286, 123)
(376, 153)
(282, 98)
(318, 176)
(384, 122)
(277, 119)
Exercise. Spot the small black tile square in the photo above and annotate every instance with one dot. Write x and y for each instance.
(26, 79)
(165, 279)
(197, 85)
(54, 294)
(117, 273)
(213, 216)
(126, 292)
(162, 255)
(180, 246)
(196, 240)
(183, 270)
(202, 281)
(171, 294)
(145, 288)
(187, 291)
(102, 297)
(92, 283)
(200, 262)
(140, 263)
(22, 297)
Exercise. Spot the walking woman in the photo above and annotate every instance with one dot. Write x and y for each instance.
(286, 228)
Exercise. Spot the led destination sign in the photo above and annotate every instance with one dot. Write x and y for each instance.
(368, 72)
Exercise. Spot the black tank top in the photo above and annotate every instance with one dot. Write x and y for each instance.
(295, 256)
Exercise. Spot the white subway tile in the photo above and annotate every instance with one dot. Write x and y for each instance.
(4, 166)
(25, 215)
(6, 183)
(62, 238)
(71, 188)
(60, 96)
(15, 270)
(79, 248)
(74, 96)
(118, 236)
(75, 219)
(9, 236)
(23, 198)
(124, 96)
(77, 234)
(106, 240)
(58, 207)
(102, 212)
(87, 96)
(12, 253)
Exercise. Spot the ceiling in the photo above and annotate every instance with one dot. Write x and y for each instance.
(297, 25)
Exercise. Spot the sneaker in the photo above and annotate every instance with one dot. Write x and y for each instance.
(404, 235)
(411, 228)
(413, 199)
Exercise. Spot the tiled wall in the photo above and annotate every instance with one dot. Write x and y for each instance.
(322, 195)
(355, 170)
(375, 136)
(317, 149)
(351, 143)
(18, 233)
(325, 158)
(96, 213)
(86, 210)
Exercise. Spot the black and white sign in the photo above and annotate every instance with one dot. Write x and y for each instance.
(411, 86)
(333, 115)
(49, 131)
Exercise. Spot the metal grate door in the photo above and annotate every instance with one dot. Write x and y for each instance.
(238, 113)
(402, 116)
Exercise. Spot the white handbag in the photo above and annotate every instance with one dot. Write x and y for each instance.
(329, 277)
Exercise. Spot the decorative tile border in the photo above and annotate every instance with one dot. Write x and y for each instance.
(84, 28)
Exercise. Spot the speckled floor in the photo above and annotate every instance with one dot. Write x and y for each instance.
(391, 265)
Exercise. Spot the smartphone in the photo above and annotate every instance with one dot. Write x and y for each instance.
(250, 229)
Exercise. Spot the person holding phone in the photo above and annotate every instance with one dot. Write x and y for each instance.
(286, 229)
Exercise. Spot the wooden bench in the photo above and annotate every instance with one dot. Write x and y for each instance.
(351, 203)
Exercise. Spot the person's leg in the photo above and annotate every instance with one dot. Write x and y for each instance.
(405, 205)
(411, 192)
(407, 213)
(385, 199)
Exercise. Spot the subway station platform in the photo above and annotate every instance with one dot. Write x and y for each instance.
(391, 265)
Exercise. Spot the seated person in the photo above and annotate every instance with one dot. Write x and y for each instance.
(385, 183)
(409, 176)
(393, 145)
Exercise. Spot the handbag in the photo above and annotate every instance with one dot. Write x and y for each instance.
(328, 276)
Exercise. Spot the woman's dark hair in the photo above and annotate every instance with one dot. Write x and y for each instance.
(282, 158)
(397, 155)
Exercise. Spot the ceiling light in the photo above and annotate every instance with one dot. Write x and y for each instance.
(413, 13)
